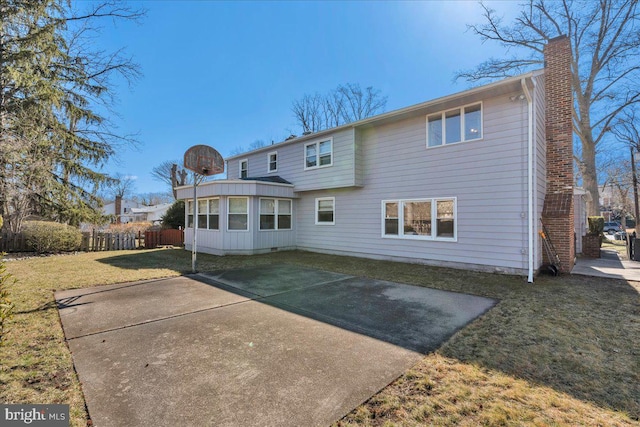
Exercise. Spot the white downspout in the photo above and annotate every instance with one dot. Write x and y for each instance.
(530, 213)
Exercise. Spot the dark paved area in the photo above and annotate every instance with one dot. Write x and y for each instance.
(268, 346)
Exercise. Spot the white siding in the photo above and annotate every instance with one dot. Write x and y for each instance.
(487, 176)
(291, 158)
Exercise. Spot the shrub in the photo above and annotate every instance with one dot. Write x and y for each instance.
(6, 306)
(130, 227)
(46, 237)
(596, 225)
(174, 217)
(1, 222)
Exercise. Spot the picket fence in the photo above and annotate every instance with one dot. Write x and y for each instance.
(92, 241)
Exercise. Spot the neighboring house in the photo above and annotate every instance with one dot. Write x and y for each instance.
(124, 211)
(151, 214)
(459, 181)
(120, 210)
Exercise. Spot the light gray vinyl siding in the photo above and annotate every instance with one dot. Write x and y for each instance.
(291, 162)
(540, 161)
(487, 176)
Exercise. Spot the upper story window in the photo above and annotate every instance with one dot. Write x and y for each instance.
(420, 219)
(272, 159)
(208, 213)
(325, 211)
(318, 154)
(244, 168)
(457, 125)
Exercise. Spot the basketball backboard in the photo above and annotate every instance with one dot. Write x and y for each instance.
(203, 160)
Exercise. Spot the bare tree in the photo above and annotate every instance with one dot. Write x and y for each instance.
(627, 130)
(345, 104)
(122, 185)
(309, 112)
(605, 41)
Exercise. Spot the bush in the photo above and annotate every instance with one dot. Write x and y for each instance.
(596, 225)
(174, 217)
(47, 237)
(6, 306)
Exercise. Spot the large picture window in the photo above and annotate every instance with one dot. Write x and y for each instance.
(238, 213)
(208, 213)
(318, 154)
(325, 211)
(457, 125)
(420, 218)
(275, 214)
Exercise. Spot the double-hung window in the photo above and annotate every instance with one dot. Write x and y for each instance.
(457, 125)
(275, 214)
(208, 214)
(420, 218)
(238, 213)
(318, 154)
(244, 168)
(325, 211)
(272, 159)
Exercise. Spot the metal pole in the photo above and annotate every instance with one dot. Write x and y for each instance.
(195, 224)
(635, 191)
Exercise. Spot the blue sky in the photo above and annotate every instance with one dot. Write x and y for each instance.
(225, 74)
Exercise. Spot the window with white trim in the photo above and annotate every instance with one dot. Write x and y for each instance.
(325, 211)
(238, 213)
(275, 214)
(457, 125)
(244, 168)
(208, 214)
(420, 218)
(318, 154)
(272, 159)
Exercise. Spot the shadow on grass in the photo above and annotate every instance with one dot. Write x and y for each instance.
(172, 259)
(578, 335)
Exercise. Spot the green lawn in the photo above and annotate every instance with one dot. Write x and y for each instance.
(563, 351)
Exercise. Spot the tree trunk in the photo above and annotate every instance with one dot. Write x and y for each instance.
(590, 176)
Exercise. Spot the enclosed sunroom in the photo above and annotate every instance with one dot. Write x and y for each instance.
(244, 216)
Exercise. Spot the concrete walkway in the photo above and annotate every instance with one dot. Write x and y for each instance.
(268, 346)
(609, 265)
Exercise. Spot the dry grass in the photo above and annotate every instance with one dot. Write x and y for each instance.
(564, 351)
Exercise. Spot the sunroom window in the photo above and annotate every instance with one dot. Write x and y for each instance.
(275, 214)
(238, 216)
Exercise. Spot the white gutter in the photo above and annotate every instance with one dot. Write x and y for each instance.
(530, 212)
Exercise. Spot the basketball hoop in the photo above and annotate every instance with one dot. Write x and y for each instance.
(203, 160)
(206, 161)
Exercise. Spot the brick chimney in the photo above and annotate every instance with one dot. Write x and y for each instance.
(558, 211)
(118, 209)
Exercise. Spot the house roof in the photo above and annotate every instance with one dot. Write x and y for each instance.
(503, 86)
(149, 209)
(276, 179)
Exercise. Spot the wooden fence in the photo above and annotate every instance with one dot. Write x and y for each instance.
(153, 239)
(13, 242)
(94, 241)
(100, 241)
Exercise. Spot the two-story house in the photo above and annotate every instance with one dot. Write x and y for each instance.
(459, 181)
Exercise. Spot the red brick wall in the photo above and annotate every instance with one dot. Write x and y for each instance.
(558, 211)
